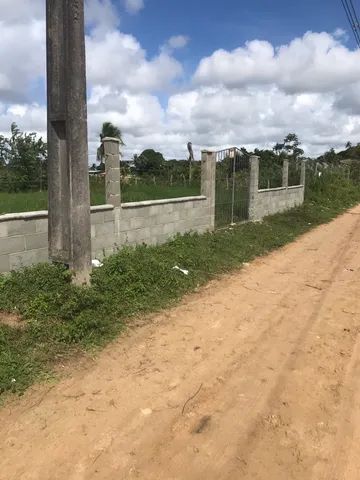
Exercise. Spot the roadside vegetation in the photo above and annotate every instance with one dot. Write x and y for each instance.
(45, 319)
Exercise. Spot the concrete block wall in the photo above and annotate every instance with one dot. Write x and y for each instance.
(273, 200)
(24, 236)
(156, 221)
(23, 240)
(277, 200)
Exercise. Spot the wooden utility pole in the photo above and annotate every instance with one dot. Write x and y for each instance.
(68, 183)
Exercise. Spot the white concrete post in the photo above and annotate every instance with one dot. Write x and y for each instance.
(253, 187)
(285, 173)
(303, 173)
(112, 171)
(208, 181)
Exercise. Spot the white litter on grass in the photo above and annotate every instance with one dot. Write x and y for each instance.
(185, 272)
(96, 263)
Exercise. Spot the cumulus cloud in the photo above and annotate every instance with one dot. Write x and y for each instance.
(101, 15)
(317, 62)
(22, 48)
(134, 6)
(178, 41)
(118, 60)
(252, 96)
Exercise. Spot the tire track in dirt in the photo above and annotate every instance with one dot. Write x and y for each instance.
(276, 360)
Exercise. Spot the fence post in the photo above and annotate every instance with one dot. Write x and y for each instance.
(208, 181)
(285, 173)
(303, 173)
(253, 187)
(112, 171)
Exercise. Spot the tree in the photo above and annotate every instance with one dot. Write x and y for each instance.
(278, 148)
(108, 130)
(330, 157)
(24, 160)
(292, 146)
(149, 162)
(348, 145)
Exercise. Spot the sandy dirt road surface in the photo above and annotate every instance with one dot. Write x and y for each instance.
(257, 376)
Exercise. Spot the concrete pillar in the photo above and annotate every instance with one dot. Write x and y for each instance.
(112, 171)
(253, 187)
(285, 174)
(303, 173)
(69, 192)
(208, 181)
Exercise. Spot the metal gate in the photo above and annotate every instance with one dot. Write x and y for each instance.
(232, 187)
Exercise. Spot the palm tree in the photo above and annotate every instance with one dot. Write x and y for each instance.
(108, 130)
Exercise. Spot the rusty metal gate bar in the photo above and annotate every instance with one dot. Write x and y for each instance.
(232, 187)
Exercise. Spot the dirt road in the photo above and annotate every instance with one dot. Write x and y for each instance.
(255, 377)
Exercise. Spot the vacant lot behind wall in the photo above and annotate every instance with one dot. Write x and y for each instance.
(24, 236)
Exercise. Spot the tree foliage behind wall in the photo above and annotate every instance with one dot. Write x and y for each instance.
(23, 161)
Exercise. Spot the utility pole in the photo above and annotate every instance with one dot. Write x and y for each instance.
(68, 182)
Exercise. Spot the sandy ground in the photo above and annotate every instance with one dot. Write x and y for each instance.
(257, 376)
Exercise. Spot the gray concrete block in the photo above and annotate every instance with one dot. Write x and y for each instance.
(155, 210)
(36, 240)
(112, 188)
(21, 227)
(114, 200)
(98, 244)
(3, 229)
(105, 229)
(113, 175)
(164, 218)
(4, 263)
(169, 208)
(42, 225)
(112, 147)
(161, 239)
(128, 213)
(125, 225)
(170, 228)
(140, 222)
(28, 258)
(188, 205)
(97, 217)
(12, 244)
(109, 216)
(157, 230)
(139, 236)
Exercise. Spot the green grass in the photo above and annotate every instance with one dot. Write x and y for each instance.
(33, 201)
(61, 319)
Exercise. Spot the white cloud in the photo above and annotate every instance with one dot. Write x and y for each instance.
(118, 60)
(30, 117)
(317, 62)
(178, 41)
(101, 15)
(251, 96)
(19, 11)
(134, 6)
(22, 52)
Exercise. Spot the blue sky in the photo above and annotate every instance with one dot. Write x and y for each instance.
(230, 23)
(228, 85)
